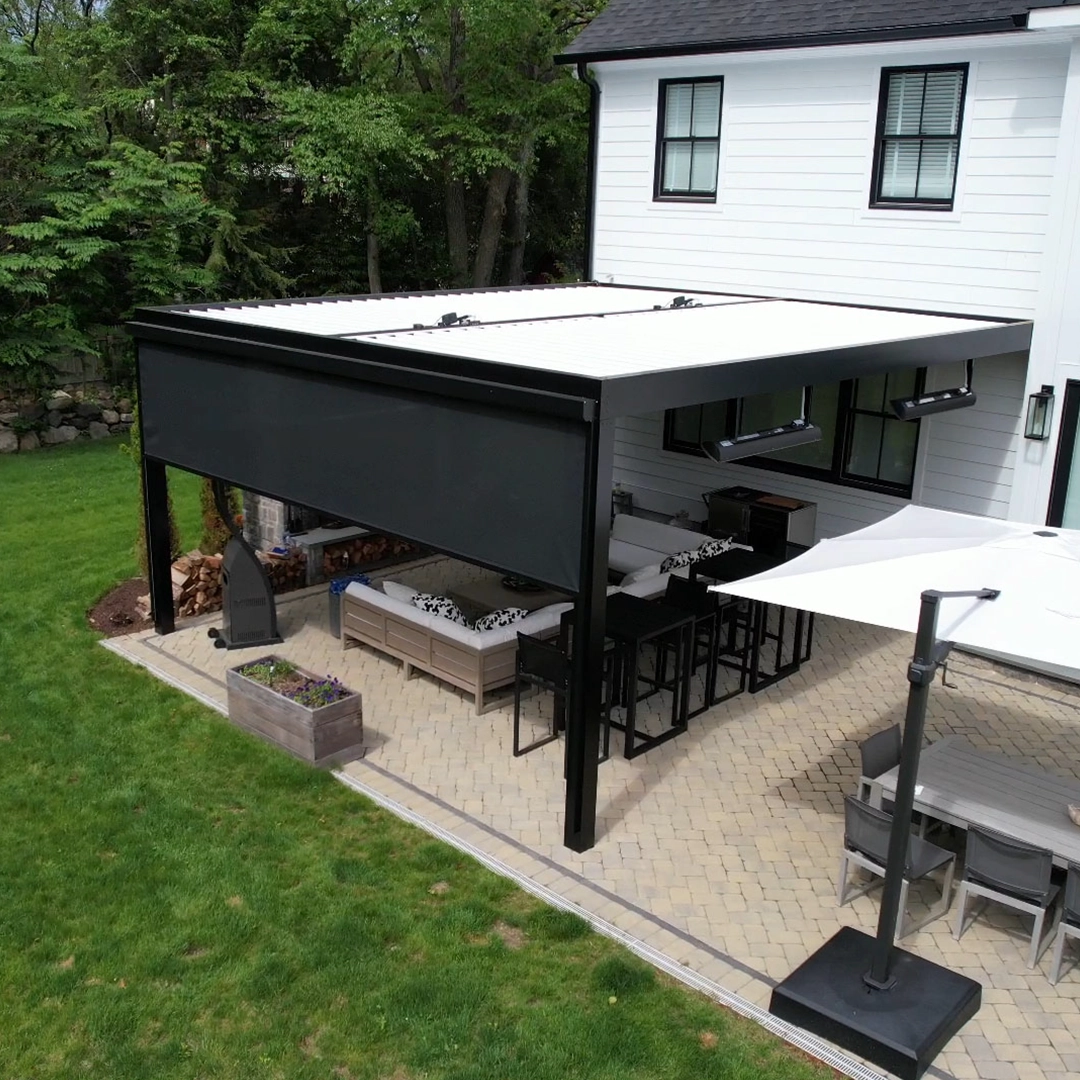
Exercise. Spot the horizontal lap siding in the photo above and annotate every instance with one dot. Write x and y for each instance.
(792, 216)
(667, 482)
(970, 455)
(966, 460)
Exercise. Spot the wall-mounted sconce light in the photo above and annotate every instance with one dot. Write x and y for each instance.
(1040, 412)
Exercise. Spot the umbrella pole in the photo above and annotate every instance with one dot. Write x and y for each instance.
(929, 654)
(890, 1006)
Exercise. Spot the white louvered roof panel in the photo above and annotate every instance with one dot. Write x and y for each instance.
(639, 343)
(353, 316)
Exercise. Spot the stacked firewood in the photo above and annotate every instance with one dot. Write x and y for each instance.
(196, 579)
(196, 583)
(363, 552)
(285, 573)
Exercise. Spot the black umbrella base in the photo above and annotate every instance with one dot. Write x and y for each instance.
(901, 1029)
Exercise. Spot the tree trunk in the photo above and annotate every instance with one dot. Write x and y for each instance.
(374, 272)
(519, 215)
(457, 227)
(487, 247)
(457, 231)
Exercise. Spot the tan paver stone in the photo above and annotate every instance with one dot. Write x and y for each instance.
(730, 833)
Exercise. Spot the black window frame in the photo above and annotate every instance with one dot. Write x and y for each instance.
(882, 202)
(836, 473)
(659, 195)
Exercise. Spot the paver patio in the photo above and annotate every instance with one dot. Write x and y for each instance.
(719, 848)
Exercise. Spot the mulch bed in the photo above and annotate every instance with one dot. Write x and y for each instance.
(115, 613)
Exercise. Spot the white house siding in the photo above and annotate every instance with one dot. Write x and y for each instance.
(967, 458)
(965, 461)
(791, 216)
(791, 219)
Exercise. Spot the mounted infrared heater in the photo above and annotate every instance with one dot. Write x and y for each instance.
(938, 401)
(784, 437)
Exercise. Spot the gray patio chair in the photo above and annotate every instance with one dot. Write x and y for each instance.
(1069, 926)
(878, 754)
(866, 844)
(1008, 872)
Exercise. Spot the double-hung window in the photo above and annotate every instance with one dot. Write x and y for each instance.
(863, 444)
(918, 137)
(688, 139)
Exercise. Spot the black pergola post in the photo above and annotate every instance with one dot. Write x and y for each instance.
(158, 544)
(587, 674)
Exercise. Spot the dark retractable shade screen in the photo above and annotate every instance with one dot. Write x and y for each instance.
(497, 486)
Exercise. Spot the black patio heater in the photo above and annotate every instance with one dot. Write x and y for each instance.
(864, 994)
(249, 616)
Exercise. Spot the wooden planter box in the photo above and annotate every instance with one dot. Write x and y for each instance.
(323, 736)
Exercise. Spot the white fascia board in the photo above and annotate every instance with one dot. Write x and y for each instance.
(707, 63)
(1056, 18)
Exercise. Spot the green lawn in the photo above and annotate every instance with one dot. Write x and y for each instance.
(178, 900)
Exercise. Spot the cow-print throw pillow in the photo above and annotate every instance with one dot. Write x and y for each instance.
(442, 606)
(680, 558)
(503, 617)
(713, 547)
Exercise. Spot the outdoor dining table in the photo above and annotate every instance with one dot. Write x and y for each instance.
(738, 563)
(964, 786)
(631, 622)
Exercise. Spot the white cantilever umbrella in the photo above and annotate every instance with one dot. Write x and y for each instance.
(1019, 589)
(876, 575)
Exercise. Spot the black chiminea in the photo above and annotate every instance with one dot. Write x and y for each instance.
(249, 616)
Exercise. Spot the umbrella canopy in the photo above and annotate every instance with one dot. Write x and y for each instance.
(876, 575)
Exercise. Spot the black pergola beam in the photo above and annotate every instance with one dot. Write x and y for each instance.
(631, 395)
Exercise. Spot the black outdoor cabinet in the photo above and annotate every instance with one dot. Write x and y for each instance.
(766, 522)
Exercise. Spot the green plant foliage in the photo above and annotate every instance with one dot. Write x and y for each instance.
(268, 672)
(91, 227)
(216, 533)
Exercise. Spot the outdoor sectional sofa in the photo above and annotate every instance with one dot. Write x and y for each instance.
(637, 543)
(477, 662)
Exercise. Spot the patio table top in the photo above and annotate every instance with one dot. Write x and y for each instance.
(965, 786)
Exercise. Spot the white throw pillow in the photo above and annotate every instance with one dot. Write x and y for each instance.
(396, 591)
(652, 570)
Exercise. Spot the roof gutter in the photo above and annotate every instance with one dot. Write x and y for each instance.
(1009, 24)
(589, 80)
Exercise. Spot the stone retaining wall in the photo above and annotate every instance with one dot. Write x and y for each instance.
(29, 422)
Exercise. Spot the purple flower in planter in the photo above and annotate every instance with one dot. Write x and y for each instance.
(315, 693)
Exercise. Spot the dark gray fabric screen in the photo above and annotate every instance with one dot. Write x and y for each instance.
(501, 488)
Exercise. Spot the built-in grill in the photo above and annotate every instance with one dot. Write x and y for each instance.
(249, 615)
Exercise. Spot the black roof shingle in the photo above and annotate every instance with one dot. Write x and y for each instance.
(628, 28)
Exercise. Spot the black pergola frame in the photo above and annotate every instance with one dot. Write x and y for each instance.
(570, 416)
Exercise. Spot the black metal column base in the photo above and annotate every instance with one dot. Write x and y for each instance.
(901, 1029)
